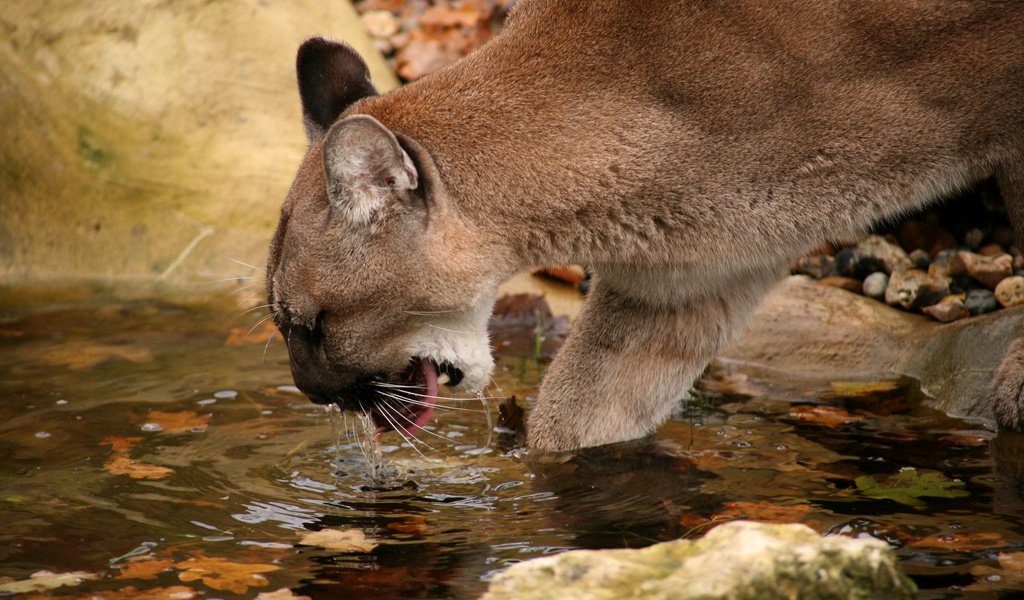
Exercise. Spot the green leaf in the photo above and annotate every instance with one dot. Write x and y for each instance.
(908, 486)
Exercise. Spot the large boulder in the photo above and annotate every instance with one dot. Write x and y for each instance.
(808, 330)
(151, 140)
(738, 560)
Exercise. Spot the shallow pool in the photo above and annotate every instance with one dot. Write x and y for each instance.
(158, 446)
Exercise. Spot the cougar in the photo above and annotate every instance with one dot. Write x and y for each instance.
(685, 151)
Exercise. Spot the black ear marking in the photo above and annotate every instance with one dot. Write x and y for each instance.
(331, 77)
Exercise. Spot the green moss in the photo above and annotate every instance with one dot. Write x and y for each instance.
(89, 149)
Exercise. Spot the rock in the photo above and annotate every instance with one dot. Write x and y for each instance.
(891, 255)
(1018, 262)
(853, 262)
(946, 265)
(1010, 291)
(817, 266)
(986, 270)
(921, 259)
(807, 330)
(921, 235)
(738, 560)
(914, 288)
(981, 301)
(991, 250)
(949, 309)
(973, 238)
(844, 283)
(875, 284)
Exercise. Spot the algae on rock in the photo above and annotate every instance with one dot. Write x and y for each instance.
(739, 560)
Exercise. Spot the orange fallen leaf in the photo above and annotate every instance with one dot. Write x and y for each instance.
(147, 568)
(960, 541)
(349, 540)
(121, 462)
(1008, 576)
(121, 444)
(827, 416)
(174, 592)
(222, 574)
(767, 512)
(179, 422)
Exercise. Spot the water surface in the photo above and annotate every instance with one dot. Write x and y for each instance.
(160, 446)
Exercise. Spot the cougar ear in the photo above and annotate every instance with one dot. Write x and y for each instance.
(331, 77)
(365, 165)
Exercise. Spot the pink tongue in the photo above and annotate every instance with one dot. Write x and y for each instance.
(429, 373)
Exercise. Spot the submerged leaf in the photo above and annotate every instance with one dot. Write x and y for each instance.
(222, 574)
(281, 594)
(960, 541)
(767, 512)
(179, 422)
(147, 568)
(349, 540)
(828, 416)
(40, 581)
(907, 486)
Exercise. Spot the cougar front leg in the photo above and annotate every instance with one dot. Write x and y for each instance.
(628, 361)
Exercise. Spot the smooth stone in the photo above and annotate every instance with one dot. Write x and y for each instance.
(1010, 291)
(921, 259)
(891, 255)
(875, 284)
(914, 288)
(991, 250)
(844, 283)
(853, 262)
(817, 266)
(973, 238)
(981, 301)
(986, 270)
(950, 309)
(925, 236)
(740, 560)
(811, 331)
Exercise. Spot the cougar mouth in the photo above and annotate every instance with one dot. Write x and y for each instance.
(410, 404)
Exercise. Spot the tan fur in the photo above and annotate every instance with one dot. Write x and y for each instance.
(685, 151)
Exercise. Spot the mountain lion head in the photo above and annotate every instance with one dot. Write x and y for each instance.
(375, 282)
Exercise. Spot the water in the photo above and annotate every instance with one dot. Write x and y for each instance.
(159, 446)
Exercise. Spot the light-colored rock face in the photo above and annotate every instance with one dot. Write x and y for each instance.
(148, 139)
(738, 560)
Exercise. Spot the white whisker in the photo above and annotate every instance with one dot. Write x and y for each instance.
(427, 313)
(383, 411)
(245, 264)
(258, 323)
(426, 404)
(235, 278)
(448, 330)
(398, 413)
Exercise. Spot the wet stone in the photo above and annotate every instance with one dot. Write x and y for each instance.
(921, 259)
(925, 236)
(846, 283)
(817, 266)
(1010, 291)
(913, 288)
(981, 301)
(891, 255)
(986, 270)
(991, 250)
(875, 284)
(949, 309)
(855, 263)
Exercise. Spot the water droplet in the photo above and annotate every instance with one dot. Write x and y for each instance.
(206, 401)
(266, 412)
(226, 394)
(782, 447)
(151, 427)
(43, 435)
(61, 402)
(994, 577)
(743, 444)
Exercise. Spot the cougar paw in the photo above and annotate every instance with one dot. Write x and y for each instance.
(1008, 388)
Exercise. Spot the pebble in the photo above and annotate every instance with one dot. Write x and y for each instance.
(991, 250)
(914, 288)
(986, 270)
(949, 309)
(853, 262)
(921, 259)
(875, 284)
(981, 301)
(817, 266)
(891, 255)
(931, 238)
(1010, 291)
(973, 238)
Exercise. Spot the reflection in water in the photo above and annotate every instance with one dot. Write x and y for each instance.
(140, 440)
